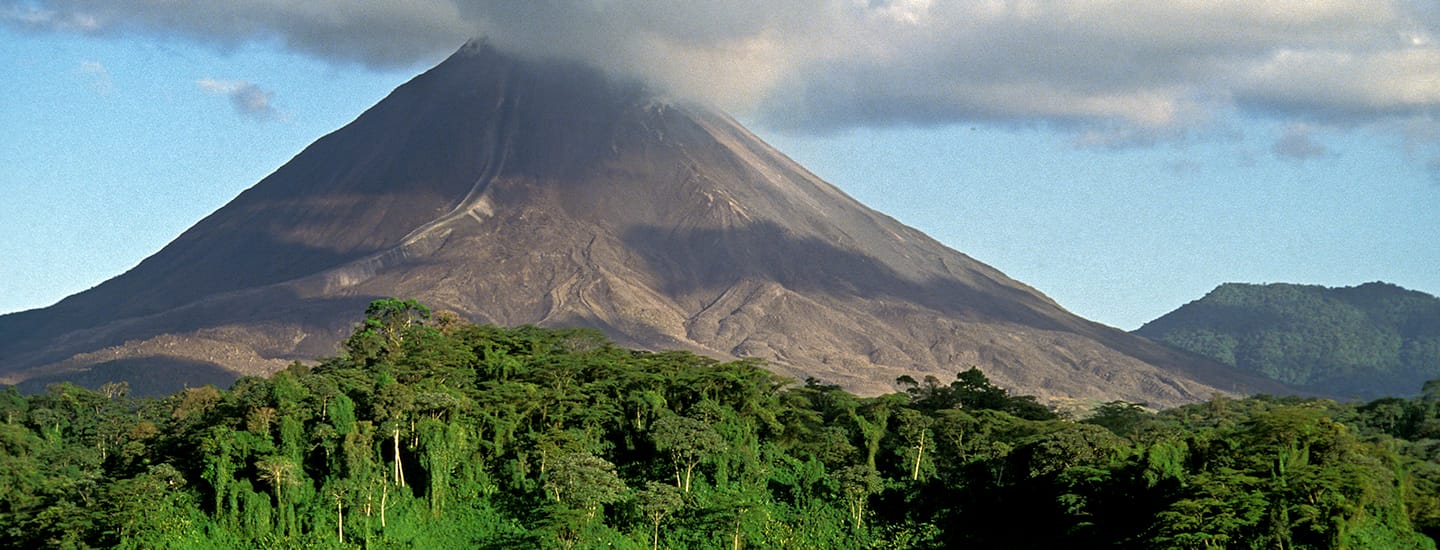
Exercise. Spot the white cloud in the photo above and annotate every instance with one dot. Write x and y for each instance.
(1344, 84)
(1115, 71)
(100, 81)
(30, 17)
(247, 98)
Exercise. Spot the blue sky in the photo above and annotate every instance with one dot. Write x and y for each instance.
(1122, 157)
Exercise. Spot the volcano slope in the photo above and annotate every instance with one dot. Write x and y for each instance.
(515, 191)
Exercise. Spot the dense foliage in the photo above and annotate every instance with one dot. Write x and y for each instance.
(432, 433)
(1368, 341)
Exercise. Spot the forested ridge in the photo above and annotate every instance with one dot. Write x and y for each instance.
(1367, 341)
(429, 432)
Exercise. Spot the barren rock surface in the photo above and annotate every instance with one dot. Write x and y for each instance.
(516, 192)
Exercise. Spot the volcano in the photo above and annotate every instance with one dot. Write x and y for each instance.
(519, 191)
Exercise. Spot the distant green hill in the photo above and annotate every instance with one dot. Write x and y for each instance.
(1367, 341)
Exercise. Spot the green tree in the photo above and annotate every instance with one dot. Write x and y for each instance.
(281, 472)
(688, 442)
(584, 481)
(913, 427)
(379, 336)
(857, 484)
(656, 502)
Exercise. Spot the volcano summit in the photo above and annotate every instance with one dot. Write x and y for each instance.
(514, 191)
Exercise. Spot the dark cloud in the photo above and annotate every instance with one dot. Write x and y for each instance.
(247, 98)
(1117, 73)
(1298, 144)
(377, 33)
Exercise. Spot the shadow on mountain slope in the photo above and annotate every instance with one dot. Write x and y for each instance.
(274, 304)
(707, 259)
(146, 376)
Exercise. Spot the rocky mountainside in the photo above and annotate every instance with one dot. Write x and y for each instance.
(515, 191)
(1368, 341)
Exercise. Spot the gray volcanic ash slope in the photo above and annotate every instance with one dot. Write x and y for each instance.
(520, 192)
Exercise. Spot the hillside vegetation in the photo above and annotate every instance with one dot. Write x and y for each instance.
(427, 432)
(1368, 341)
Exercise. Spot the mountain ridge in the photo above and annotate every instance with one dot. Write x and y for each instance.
(513, 191)
(1372, 340)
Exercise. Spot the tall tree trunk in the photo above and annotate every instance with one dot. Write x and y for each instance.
(339, 519)
(399, 470)
(919, 452)
(735, 534)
